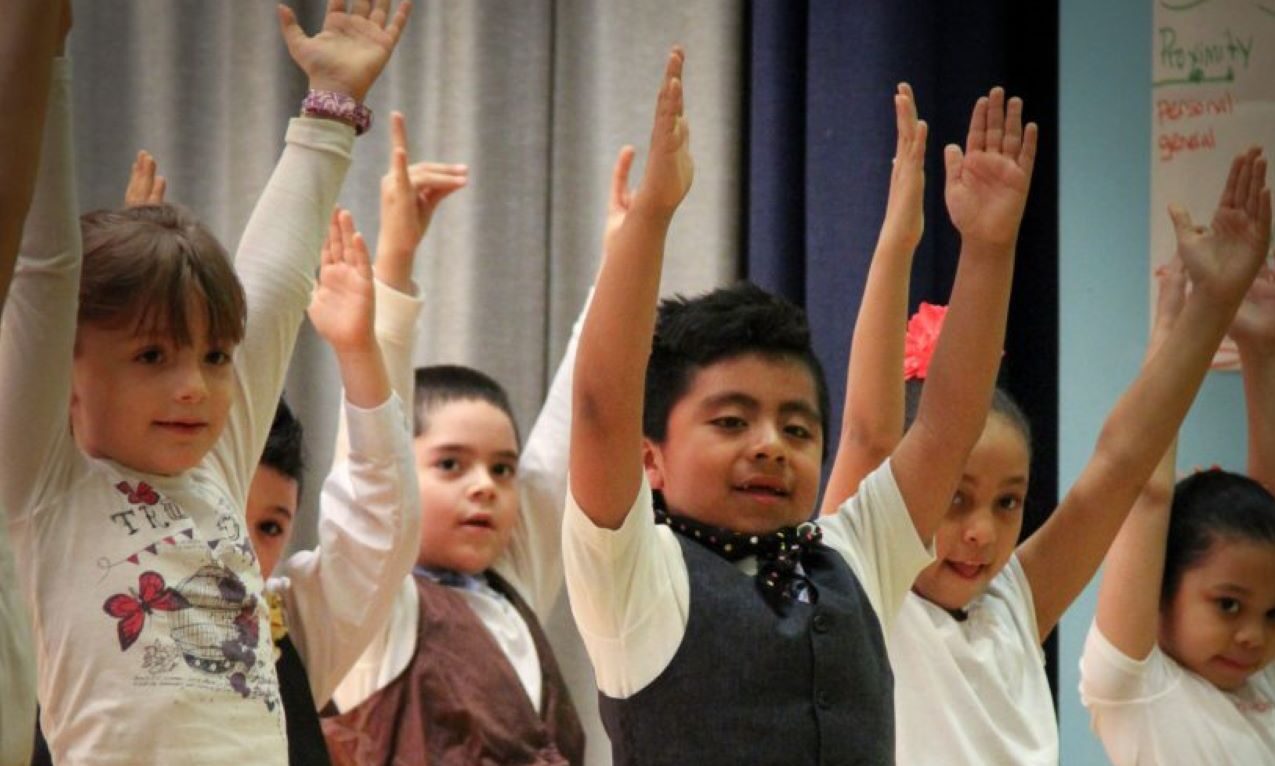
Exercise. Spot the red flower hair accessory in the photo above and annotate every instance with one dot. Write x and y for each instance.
(922, 338)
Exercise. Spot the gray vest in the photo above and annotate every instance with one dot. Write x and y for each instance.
(748, 686)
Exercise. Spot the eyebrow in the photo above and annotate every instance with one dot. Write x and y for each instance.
(740, 399)
(281, 509)
(465, 448)
(1233, 588)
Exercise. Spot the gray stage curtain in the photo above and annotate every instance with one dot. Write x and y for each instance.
(537, 97)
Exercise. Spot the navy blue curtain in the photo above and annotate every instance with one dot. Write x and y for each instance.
(820, 139)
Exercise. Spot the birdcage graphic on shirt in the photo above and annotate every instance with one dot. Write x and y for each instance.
(210, 633)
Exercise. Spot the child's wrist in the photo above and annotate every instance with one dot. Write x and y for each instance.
(357, 349)
(336, 103)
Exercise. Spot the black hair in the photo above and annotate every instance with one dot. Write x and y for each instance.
(1210, 506)
(443, 383)
(284, 450)
(692, 333)
(1002, 404)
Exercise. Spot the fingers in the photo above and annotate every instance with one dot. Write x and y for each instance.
(952, 160)
(1182, 225)
(336, 6)
(398, 131)
(1027, 153)
(380, 12)
(1243, 180)
(293, 35)
(976, 139)
(904, 117)
(620, 178)
(332, 245)
(1171, 284)
(995, 119)
(1231, 188)
(360, 8)
(395, 27)
(670, 98)
(1257, 184)
(157, 191)
(1013, 141)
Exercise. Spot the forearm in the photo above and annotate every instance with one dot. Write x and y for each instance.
(363, 376)
(276, 262)
(1258, 366)
(872, 418)
(1061, 558)
(37, 335)
(958, 389)
(1128, 612)
(610, 371)
(30, 40)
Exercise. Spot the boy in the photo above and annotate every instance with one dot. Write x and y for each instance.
(788, 663)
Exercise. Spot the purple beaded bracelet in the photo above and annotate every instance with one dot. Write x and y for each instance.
(337, 106)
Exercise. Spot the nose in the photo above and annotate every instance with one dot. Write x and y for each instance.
(979, 528)
(191, 384)
(1252, 633)
(483, 486)
(769, 444)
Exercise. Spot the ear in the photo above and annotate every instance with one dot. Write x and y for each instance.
(652, 463)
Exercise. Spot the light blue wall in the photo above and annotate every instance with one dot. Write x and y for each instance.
(1104, 163)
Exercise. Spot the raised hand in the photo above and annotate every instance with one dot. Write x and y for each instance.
(1254, 325)
(621, 198)
(905, 208)
(343, 306)
(409, 196)
(348, 54)
(144, 186)
(669, 169)
(987, 184)
(1222, 258)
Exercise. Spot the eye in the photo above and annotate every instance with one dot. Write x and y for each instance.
(1228, 605)
(959, 500)
(217, 357)
(270, 528)
(729, 422)
(447, 464)
(149, 355)
(504, 470)
(1009, 502)
(799, 431)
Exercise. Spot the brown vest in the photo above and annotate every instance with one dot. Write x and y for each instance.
(459, 701)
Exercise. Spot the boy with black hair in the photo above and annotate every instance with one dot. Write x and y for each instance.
(738, 631)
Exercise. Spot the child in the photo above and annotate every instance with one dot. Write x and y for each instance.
(463, 672)
(31, 38)
(1176, 667)
(698, 659)
(970, 681)
(149, 608)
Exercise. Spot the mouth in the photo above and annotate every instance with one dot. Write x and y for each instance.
(764, 490)
(481, 521)
(182, 427)
(966, 570)
(1237, 666)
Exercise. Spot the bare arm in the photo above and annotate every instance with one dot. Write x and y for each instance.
(1221, 261)
(610, 370)
(30, 37)
(1254, 334)
(986, 192)
(872, 419)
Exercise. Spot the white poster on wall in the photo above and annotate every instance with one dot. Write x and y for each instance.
(1213, 95)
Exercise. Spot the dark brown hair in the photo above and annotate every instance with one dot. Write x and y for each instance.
(143, 266)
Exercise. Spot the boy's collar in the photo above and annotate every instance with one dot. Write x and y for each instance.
(450, 578)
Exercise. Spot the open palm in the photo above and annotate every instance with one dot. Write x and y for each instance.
(987, 184)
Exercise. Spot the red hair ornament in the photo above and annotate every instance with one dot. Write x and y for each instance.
(921, 340)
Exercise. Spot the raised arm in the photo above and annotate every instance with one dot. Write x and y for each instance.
(872, 419)
(409, 196)
(1254, 333)
(37, 335)
(1128, 611)
(342, 592)
(610, 369)
(30, 37)
(986, 192)
(279, 252)
(1221, 261)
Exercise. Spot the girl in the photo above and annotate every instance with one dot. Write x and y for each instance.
(970, 685)
(1176, 668)
(149, 609)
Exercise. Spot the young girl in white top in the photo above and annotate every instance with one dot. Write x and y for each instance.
(1176, 668)
(970, 683)
(151, 629)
